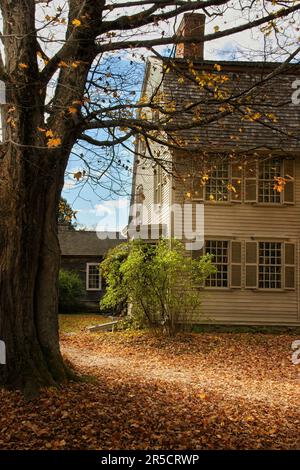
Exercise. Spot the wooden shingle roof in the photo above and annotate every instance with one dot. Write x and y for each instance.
(84, 243)
(272, 96)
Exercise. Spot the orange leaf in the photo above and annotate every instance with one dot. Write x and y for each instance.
(62, 64)
(23, 66)
(54, 142)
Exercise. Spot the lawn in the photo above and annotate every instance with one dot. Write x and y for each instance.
(195, 391)
(74, 323)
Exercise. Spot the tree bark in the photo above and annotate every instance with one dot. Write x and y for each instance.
(29, 265)
(31, 180)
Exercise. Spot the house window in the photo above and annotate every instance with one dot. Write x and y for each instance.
(93, 278)
(216, 188)
(158, 176)
(269, 273)
(251, 181)
(218, 248)
(268, 171)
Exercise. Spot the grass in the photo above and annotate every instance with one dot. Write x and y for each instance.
(71, 323)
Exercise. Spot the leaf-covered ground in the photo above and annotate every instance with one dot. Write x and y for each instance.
(196, 391)
(74, 323)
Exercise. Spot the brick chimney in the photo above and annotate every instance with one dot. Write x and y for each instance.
(192, 24)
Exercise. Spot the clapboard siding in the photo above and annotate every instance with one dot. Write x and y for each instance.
(242, 221)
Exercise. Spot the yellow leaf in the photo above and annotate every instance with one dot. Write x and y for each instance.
(211, 197)
(23, 66)
(75, 64)
(49, 133)
(216, 29)
(202, 396)
(76, 22)
(54, 142)
(217, 67)
(188, 195)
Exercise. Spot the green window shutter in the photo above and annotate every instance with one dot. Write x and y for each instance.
(236, 182)
(251, 182)
(289, 266)
(289, 188)
(251, 265)
(236, 265)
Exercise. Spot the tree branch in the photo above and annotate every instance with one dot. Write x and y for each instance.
(106, 143)
(191, 39)
(142, 19)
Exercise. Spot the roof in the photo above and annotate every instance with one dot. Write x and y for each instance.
(84, 243)
(271, 93)
(291, 67)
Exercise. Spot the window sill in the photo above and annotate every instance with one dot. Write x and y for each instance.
(235, 203)
(273, 291)
(270, 204)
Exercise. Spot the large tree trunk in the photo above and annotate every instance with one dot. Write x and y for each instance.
(29, 265)
(31, 179)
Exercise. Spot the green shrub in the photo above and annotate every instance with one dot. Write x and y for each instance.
(70, 291)
(160, 283)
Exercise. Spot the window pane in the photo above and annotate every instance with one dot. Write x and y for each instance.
(269, 170)
(218, 248)
(93, 277)
(217, 184)
(269, 276)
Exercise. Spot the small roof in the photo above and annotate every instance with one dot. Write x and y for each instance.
(87, 243)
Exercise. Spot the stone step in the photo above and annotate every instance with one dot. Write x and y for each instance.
(103, 326)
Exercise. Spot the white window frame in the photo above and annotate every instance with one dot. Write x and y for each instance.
(269, 265)
(228, 264)
(87, 275)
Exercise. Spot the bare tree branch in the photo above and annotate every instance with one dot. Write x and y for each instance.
(191, 39)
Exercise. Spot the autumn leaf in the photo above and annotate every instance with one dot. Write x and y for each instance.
(79, 102)
(62, 64)
(49, 133)
(72, 110)
(23, 66)
(54, 142)
(76, 22)
(77, 175)
(216, 29)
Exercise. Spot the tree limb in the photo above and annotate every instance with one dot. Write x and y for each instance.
(191, 39)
